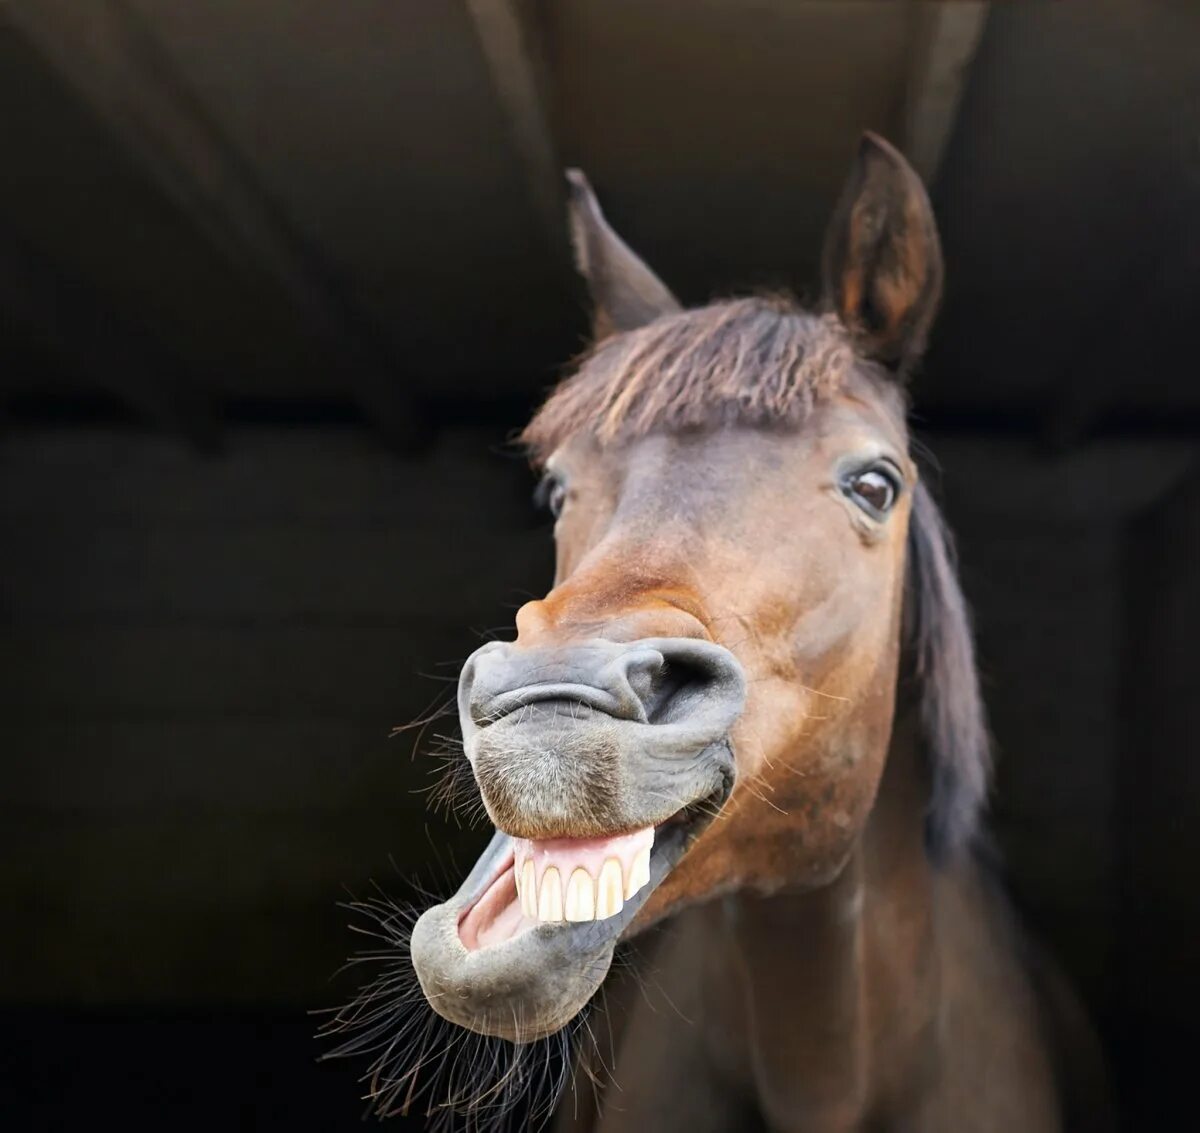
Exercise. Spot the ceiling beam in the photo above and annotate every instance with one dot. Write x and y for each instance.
(945, 38)
(77, 326)
(513, 48)
(105, 52)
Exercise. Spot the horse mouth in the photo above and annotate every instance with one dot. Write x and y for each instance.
(600, 762)
(568, 881)
(529, 937)
(574, 880)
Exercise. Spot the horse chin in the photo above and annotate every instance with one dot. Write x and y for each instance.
(487, 966)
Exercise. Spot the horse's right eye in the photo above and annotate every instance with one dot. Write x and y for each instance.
(556, 498)
(551, 493)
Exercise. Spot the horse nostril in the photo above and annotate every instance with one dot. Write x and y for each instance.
(680, 684)
(640, 673)
(666, 683)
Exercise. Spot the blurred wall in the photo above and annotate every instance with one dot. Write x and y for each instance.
(201, 665)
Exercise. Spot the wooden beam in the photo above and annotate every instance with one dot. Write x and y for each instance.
(78, 327)
(512, 47)
(111, 58)
(944, 42)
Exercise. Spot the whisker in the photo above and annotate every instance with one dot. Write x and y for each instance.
(418, 1062)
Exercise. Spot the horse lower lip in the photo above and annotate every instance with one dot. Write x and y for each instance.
(536, 980)
(522, 987)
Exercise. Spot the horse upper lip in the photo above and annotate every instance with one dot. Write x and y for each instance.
(575, 695)
(647, 680)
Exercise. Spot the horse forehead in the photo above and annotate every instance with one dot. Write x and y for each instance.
(682, 489)
(691, 506)
(678, 468)
(703, 459)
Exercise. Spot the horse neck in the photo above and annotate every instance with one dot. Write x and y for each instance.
(840, 982)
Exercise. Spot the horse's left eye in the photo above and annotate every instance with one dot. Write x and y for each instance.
(874, 490)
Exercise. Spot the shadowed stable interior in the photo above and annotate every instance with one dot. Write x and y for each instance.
(277, 283)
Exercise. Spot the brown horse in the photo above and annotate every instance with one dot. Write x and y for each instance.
(749, 705)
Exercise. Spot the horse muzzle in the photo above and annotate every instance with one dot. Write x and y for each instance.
(600, 763)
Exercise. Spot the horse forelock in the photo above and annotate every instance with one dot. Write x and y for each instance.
(941, 646)
(755, 361)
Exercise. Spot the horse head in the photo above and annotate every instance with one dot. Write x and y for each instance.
(747, 569)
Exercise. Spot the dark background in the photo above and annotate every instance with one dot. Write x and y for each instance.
(279, 278)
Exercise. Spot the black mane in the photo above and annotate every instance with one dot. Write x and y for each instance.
(953, 721)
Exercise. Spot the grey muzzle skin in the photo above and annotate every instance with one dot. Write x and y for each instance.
(600, 737)
(588, 740)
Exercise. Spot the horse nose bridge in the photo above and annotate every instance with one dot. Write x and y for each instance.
(613, 607)
(534, 619)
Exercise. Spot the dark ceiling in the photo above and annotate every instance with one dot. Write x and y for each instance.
(286, 202)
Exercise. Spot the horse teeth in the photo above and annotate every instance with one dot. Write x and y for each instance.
(639, 873)
(581, 896)
(610, 896)
(580, 880)
(550, 897)
(527, 890)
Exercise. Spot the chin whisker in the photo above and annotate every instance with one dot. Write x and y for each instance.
(453, 792)
(419, 1064)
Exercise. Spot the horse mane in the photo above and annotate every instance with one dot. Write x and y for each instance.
(761, 361)
(765, 361)
(940, 642)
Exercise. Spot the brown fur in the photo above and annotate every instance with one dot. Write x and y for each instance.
(765, 362)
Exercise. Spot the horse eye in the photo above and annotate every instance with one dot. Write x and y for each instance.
(875, 491)
(552, 494)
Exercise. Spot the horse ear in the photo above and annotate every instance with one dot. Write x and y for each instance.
(882, 263)
(626, 294)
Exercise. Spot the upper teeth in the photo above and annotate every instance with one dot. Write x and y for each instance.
(568, 890)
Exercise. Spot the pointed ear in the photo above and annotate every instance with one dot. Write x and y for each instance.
(626, 294)
(882, 264)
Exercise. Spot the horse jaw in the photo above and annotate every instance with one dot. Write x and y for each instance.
(485, 964)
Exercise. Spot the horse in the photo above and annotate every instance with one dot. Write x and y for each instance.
(745, 726)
